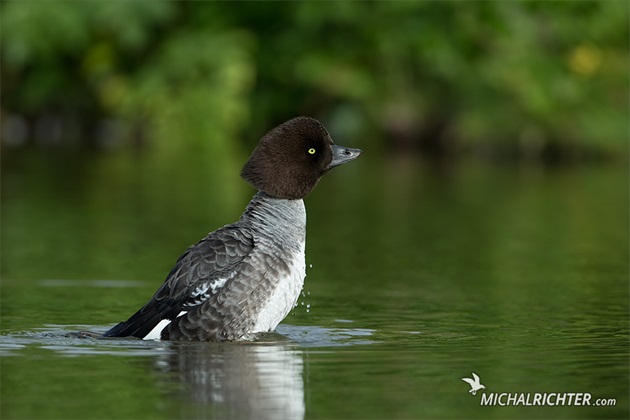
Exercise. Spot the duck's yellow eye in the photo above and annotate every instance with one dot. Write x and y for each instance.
(311, 151)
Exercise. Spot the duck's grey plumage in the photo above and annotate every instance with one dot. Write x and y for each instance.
(247, 259)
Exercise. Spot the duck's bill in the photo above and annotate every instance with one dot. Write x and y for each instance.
(342, 155)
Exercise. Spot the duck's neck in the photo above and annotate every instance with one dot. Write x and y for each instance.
(278, 217)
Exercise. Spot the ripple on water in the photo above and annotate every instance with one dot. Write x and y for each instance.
(63, 339)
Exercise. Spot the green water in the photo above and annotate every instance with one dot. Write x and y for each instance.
(417, 276)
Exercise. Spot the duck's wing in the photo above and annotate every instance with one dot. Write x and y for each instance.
(198, 274)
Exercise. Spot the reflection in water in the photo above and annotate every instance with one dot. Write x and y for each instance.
(231, 380)
(262, 380)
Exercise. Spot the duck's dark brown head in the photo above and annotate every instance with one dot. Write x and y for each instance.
(291, 158)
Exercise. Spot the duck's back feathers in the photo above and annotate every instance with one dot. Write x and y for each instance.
(198, 275)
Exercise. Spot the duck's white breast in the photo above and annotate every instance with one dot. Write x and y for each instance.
(284, 297)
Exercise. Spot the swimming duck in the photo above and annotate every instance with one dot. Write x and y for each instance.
(245, 277)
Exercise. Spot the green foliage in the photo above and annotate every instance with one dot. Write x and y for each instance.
(53, 50)
(526, 78)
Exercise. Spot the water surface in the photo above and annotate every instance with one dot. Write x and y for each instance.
(417, 276)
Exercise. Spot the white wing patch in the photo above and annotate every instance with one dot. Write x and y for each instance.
(156, 332)
(207, 289)
(200, 290)
(218, 283)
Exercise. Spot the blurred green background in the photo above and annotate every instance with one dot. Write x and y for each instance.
(535, 80)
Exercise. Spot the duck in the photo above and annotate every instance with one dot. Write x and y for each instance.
(244, 278)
